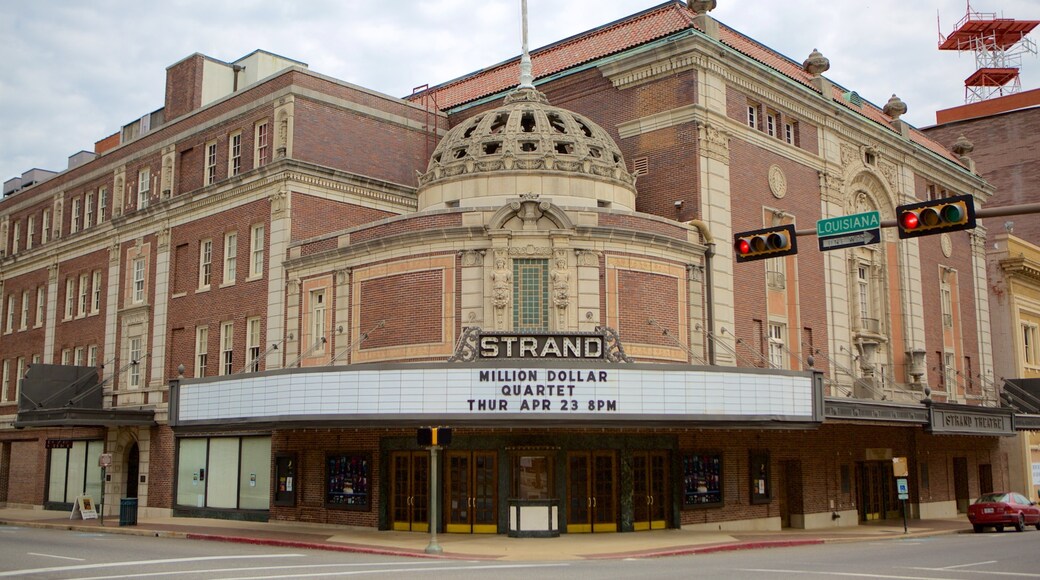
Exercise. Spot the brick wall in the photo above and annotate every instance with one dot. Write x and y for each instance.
(314, 216)
(184, 86)
(410, 303)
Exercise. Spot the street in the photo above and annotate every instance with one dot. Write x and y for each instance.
(40, 553)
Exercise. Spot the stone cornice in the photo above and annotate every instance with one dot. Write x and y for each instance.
(1021, 268)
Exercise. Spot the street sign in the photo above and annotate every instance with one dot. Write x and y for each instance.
(902, 488)
(864, 238)
(848, 224)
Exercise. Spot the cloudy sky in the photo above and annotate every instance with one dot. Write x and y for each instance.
(74, 72)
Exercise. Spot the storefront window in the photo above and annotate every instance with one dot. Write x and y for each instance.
(758, 469)
(346, 481)
(532, 477)
(702, 479)
(74, 471)
(224, 472)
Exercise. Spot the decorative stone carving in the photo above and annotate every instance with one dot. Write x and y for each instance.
(816, 64)
(777, 182)
(946, 243)
(343, 276)
(166, 175)
(560, 282)
(529, 250)
(162, 237)
(293, 286)
(715, 143)
(501, 286)
(895, 107)
(472, 258)
(889, 171)
(52, 273)
(961, 147)
(279, 202)
(587, 258)
(849, 155)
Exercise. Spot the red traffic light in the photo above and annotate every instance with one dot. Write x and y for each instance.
(933, 217)
(765, 243)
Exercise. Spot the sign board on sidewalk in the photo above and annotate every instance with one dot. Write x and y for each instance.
(84, 506)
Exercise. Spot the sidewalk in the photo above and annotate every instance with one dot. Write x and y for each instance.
(479, 547)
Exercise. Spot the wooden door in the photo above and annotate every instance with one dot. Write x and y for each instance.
(591, 492)
(960, 483)
(650, 490)
(471, 492)
(409, 493)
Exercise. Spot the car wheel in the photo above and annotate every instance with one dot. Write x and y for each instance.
(999, 528)
(1020, 525)
(978, 528)
(1038, 524)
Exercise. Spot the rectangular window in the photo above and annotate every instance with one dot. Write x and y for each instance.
(227, 348)
(70, 297)
(88, 210)
(30, 231)
(4, 379)
(348, 478)
(776, 345)
(18, 376)
(66, 356)
(95, 290)
(144, 185)
(752, 116)
(759, 473)
(16, 239)
(45, 227)
(262, 138)
(102, 204)
(205, 263)
(84, 294)
(256, 251)
(92, 352)
(946, 303)
(74, 472)
(771, 123)
(211, 162)
(10, 313)
(41, 297)
(78, 358)
(1030, 346)
(702, 479)
(235, 154)
(950, 373)
(201, 350)
(224, 472)
(230, 257)
(318, 309)
(24, 320)
(789, 132)
(253, 344)
(531, 294)
(74, 225)
(138, 280)
(135, 367)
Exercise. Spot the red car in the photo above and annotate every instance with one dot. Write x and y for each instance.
(1003, 509)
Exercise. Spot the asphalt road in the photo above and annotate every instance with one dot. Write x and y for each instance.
(40, 553)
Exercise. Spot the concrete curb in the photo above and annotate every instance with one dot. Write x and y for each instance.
(328, 547)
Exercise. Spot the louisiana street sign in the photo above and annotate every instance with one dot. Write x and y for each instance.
(847, 224)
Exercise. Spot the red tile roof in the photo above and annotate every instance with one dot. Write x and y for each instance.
(640, 28)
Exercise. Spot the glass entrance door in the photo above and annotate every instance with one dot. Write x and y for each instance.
(591, 492)
(876, 491)
(409, 495)
(470, 490)
(650, 490)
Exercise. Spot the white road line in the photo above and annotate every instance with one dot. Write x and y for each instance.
(143, 563)
(970, 565)
(53, 556)
(214, 570)
(406, 570)
(986, 572)
(846, 574)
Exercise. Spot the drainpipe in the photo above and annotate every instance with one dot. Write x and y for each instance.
(709, 294)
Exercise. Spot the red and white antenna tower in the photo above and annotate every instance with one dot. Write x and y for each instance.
(998, 44)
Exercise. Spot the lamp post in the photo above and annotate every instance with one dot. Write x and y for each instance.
(433, 547)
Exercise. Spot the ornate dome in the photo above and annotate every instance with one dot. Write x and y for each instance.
(527, 136)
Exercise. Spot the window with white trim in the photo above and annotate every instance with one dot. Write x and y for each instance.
(777, 333)
(24, 322)
(45, 227)
(201, 350)
(18, 376)
(30, 231)
(138, 265)
(211, 162)
(74, 224)
(772, 121)
(84, 294)
(235, 154)
(92, 352)
(262, 139)
(10, 313)
(946, 303)
(78, 357)
(6, 377)
(256, 250)
(789, 132)
(66, 356)
(230, 257)
(16, 238)
(41, 298)
(752, 116)
(144, 187)
(102, 204)
(253, 344)
(70, 297)
(1030, 344)
(318, 310)
(227, 348)
(134, 352)
(88, 210)
(95, 290)
(205, 263)
(950, 373)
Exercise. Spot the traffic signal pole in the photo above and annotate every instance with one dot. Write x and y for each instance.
(989, 212)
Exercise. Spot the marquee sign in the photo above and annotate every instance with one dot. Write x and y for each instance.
(960, 420)
(601, 345)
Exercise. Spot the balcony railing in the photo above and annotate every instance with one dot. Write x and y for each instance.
(872, 325)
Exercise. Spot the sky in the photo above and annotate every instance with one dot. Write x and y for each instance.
(75, 72)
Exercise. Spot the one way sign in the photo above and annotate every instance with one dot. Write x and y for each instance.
(854, 240)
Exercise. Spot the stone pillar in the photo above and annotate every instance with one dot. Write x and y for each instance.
(279, 236)
(713, 144)
(160, 308)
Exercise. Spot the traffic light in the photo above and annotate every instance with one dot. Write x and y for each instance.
(949, 214)
(765, 243)
(433, 436)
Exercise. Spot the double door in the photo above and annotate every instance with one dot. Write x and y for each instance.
(649, 490)
(410, 493)
(592, 491)
(471, 492)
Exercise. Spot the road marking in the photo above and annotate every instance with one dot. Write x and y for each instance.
(405, 570)
(851, 574)
(969, 565)
(143, 563)
(986, 572)
(299, 567)
(53, 556)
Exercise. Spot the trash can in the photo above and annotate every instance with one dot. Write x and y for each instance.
(128, 511)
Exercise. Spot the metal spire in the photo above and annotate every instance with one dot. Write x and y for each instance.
(526, 78)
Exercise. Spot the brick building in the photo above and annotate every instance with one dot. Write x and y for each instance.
(283, 275)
